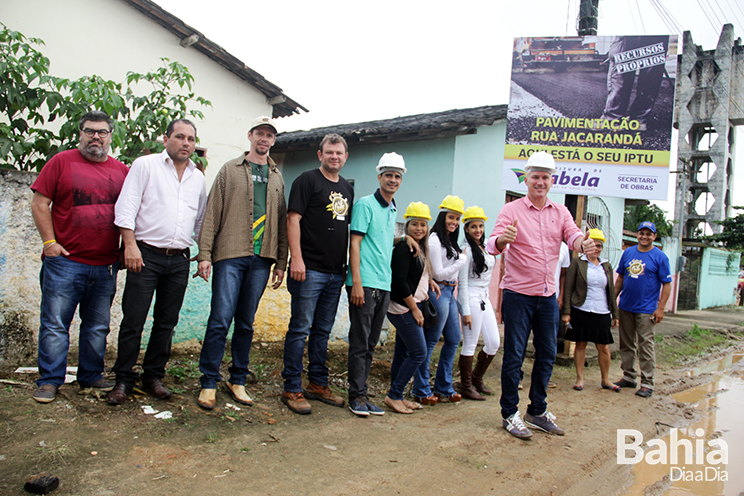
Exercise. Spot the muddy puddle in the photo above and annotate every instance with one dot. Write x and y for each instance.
(702, 465)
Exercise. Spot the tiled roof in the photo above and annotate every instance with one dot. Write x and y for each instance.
(282, 104)
(408, 128)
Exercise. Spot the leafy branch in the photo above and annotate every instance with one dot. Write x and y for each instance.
(30, 98)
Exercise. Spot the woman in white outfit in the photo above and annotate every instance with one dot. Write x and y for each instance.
(478, 316)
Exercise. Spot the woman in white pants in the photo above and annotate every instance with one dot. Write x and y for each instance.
(478, 316)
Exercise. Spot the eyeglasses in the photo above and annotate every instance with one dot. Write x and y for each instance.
(102, 133)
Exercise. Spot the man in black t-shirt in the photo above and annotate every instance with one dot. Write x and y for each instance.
(318, 230)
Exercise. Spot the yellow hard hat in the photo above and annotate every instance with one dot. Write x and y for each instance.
(474, 213)
(453, 203)
(597, 234)
(418, 210)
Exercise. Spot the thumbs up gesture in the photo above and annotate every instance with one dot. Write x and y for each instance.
(588, 245)
(510, 234)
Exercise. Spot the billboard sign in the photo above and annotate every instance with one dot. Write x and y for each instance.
(603, 106)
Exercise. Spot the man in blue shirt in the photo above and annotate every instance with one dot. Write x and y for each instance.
(643, 271)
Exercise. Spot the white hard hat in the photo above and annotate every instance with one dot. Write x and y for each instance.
(391, 162)
(543, 161)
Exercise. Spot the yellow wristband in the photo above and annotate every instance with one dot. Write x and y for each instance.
(51, 241)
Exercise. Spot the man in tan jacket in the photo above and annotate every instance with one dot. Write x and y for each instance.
(244, 233)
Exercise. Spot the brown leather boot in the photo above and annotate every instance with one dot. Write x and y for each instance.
(480, 369)
(466, 370)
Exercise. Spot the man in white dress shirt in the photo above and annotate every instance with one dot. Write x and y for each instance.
(159, 212)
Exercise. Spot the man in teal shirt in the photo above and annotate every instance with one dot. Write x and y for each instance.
(368, 282)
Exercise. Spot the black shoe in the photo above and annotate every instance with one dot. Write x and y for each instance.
(623, 383)
(644, 392)
(155, 387)
(119, 394)
(101, 384)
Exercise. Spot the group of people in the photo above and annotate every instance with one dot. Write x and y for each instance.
(591, 310)
(85, 202)
(427, 283)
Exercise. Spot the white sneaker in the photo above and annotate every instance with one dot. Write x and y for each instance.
(516, 427)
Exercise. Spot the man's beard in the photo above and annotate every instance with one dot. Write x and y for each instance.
(90, 151)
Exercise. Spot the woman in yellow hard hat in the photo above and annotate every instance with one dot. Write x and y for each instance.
(446, 262)
(590, 309)
(409, 291)
(477, 313)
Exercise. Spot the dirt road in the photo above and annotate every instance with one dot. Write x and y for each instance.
(458, 448)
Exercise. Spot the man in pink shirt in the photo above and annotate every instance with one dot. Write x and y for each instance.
(534, 228)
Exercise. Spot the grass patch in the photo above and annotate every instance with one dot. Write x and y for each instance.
(676, 350)
(47, 454)
(186, 369)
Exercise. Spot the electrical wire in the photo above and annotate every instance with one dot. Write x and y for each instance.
(713, 11)
(723, 14)
(736, 16)
(739, 7)
(632, 17)
(677, 26)
(640, 16)
(712, 24)
(663, 17)
(568, 15)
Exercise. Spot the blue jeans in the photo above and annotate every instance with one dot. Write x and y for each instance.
(448, 326)
(314, 306)
(65, 284)
(523, 314)
(237, 287)
(410, 352)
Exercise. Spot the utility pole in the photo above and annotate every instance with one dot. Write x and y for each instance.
(588, 11)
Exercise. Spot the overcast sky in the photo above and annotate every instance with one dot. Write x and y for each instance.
(352, 61)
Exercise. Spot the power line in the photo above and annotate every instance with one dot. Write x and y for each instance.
(640, 16)
(632, 17)
(668, 22)
(668, 13)
(706, 15)
(568, 14)
(736, 16)
(723, 14)
(713, 11)
(664, 19)
(738, 7)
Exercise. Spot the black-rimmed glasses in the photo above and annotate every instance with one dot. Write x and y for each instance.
(102, 133)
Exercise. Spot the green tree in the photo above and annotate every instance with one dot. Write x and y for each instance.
(635, 214)
(30, 98)
(732, 235)
(25, 89)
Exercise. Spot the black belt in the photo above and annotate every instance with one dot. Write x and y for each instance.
(165, 251)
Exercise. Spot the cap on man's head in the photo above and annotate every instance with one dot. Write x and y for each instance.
(263, 121)
(648, 225)
(540, 161)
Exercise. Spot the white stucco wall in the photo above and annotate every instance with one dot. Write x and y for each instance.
(108, 38)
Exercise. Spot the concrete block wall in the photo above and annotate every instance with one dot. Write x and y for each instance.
(20, 295)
